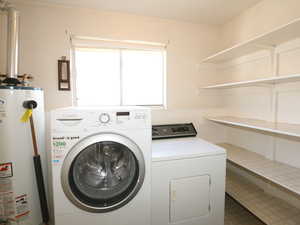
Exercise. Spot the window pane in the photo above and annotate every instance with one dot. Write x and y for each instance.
(98, 76)
(142, 77)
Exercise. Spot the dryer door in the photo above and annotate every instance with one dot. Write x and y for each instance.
(103, 172)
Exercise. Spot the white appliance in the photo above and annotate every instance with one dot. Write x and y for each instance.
(101, 166)
(188, 178)
(19, 198)
(19, 170)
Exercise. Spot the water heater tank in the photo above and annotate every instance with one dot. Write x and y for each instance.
(19, 199)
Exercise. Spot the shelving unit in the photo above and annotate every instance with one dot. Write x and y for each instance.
(265, 81)
(269, 209)
(288, 129)
(235, 214)
(280, 174)
(265, 41)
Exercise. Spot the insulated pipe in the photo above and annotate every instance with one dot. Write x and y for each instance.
(12, 42)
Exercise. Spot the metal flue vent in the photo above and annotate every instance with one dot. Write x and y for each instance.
(12, 42)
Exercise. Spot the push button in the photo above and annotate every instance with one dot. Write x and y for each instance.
(104, 118)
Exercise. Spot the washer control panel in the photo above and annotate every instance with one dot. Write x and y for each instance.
(173, 131)
(100, 119)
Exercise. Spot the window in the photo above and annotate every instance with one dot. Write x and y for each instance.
(116, 76)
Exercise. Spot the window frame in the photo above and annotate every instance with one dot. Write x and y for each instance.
(74, 74)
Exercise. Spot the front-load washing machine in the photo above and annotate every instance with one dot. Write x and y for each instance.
(101, 166)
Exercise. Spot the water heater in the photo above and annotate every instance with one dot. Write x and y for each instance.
(19, 198)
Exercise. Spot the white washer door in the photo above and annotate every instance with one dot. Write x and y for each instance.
(103, 172)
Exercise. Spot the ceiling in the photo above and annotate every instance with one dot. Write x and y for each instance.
(215, 12)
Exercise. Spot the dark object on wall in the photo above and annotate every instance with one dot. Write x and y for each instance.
(64, 83)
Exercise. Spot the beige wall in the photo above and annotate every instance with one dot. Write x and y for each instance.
(43, 41)
(261, 18)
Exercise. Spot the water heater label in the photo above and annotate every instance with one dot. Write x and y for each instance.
(22, 208)
(6, 170)
(7, 203)
(7, 209)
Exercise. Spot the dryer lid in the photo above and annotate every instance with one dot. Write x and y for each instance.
(172, 149)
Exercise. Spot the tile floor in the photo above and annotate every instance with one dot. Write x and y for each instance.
(237, 215)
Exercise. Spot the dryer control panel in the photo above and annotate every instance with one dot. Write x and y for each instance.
(173, 131)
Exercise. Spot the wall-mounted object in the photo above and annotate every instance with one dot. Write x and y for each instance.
(64, 83)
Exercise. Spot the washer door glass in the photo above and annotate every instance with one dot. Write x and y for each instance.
(103, 174)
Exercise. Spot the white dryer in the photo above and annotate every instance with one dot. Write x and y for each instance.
(101, 166)
(188, 178)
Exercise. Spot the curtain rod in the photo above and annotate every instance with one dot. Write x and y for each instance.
(78, 37)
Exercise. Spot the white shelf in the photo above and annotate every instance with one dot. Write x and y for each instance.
(269, 209)
(235, 214)
(276, 128)
(275, 37)
(270, 80)
(280, 174)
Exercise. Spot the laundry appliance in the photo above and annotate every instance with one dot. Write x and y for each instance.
(22, 191)
(188, 177)
(101, 165)
(19, 196)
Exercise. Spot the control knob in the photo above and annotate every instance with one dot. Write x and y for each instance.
(104, 118)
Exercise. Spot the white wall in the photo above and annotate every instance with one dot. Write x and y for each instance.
(43, 41)
(259, 19)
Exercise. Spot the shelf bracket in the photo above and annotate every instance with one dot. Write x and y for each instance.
(274, 99)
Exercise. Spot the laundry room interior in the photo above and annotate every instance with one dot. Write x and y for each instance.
(149, 112)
